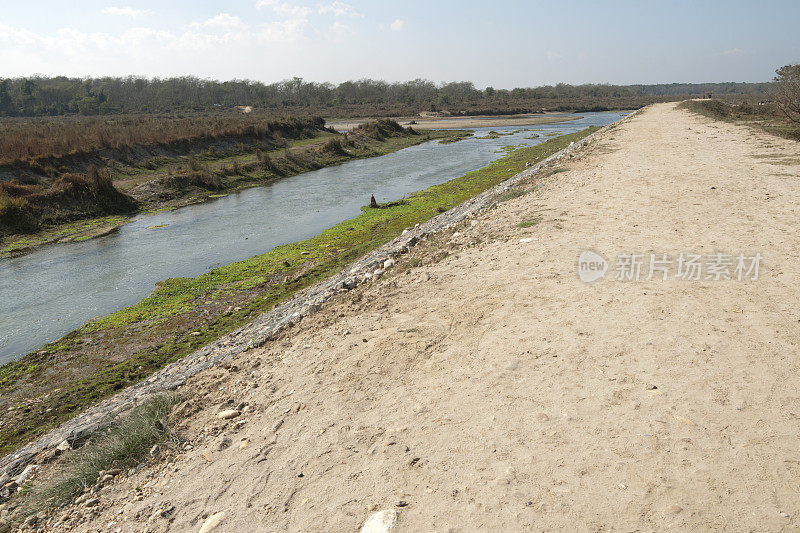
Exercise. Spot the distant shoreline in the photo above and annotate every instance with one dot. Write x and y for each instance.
(476, 121)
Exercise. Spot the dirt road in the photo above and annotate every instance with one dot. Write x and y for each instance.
(491, 389)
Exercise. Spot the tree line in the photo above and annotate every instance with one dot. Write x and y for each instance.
(48, 96)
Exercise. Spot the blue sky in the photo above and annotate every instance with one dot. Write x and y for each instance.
(503, 44)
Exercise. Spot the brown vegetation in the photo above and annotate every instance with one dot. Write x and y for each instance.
(766, 114)
(24, 208)
(36, 139)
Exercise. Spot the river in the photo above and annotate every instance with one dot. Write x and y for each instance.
(57, 288)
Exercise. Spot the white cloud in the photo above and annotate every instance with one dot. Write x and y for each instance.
(282, 31)
(16, 36)
(221, 21)
(284, 9)
(126, 12)
(397, 25)
(339, 31)
(337, 9)
(222, 34)
(731, 51)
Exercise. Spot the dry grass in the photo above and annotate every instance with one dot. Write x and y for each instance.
(24, 207)
(123, 446)
(30, 139)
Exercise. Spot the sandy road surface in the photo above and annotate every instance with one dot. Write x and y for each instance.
(492, 390)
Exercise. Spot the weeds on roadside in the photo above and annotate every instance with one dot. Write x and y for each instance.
(529, 223)
(122, 446)
(513, 193)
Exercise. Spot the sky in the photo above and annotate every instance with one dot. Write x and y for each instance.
(503, 44)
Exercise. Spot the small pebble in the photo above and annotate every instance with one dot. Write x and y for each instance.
(227, 414)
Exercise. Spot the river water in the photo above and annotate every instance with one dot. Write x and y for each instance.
(57, 288)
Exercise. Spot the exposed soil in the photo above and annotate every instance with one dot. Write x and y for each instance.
(481, 385)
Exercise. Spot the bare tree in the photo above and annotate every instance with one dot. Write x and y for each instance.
(787, 91)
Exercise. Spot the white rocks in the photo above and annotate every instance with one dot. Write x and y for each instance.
(213, 521)
(227, 414)
(389, 263)
(526, 239)
(27, 473)
(154, 450)
(381, 522)
(378, 273)
(64, 446)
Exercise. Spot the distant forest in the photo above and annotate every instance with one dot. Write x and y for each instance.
(42, 96)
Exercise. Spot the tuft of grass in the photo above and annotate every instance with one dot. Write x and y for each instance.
(124, 445)
(529, 223)
(513, 193)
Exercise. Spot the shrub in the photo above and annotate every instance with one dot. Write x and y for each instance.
(787, 91)
(16, 216)
(193, 164)
(334, 146)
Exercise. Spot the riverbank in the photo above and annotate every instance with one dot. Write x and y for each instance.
(465, 122)
(183, 314)
(176, 179)
(480, 384)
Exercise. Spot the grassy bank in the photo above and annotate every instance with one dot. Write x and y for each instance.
(76, 207)
(51, 385)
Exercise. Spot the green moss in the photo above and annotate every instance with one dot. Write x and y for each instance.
(255, 285)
